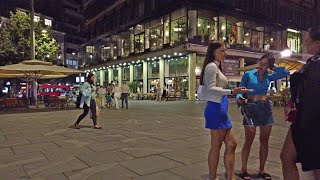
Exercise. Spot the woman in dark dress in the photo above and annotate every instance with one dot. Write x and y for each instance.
(302, 142)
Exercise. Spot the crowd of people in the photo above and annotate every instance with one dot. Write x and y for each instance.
(301, 144)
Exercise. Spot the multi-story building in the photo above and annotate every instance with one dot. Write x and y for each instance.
(164, 41)
(65, 19)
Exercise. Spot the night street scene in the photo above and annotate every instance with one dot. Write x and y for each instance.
(159, 89)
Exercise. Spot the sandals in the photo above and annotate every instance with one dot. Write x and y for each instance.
(76, 126)
(264, 176)
(245, 176)
(97, 127)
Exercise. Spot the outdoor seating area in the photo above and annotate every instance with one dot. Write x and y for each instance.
(172, 96)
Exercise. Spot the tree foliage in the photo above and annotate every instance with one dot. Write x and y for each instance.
(15, 40)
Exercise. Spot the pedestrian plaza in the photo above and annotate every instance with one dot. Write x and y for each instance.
(150, 140)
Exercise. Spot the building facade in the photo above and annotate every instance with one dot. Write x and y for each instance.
(164, 41)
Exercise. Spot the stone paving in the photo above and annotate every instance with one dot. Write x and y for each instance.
(150, 140)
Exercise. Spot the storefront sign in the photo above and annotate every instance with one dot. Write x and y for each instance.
(230, 67)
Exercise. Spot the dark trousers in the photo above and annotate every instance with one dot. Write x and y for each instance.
(125, 98)
(86, 109)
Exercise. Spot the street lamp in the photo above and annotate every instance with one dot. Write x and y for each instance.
(286, 53)
(44, 31)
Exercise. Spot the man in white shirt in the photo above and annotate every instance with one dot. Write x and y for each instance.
(125, 92)
(101, 95)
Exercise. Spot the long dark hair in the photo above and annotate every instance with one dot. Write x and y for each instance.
(212, 47)
(271, 59)
(89, 78)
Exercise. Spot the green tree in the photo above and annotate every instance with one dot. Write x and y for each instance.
(15, 40)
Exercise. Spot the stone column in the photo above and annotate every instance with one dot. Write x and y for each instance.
(240, 32)
(192, 75)
(241, 64)
(102, 77)
(145, 77)
(120, 69)
(110, 73)
(131, 72)
(161, 73)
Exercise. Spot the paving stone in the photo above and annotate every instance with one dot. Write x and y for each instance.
(46, 168)
(103, 171)
(150, 164)
(187, 156)
(34, 147)
(104, 157)
(160, 176)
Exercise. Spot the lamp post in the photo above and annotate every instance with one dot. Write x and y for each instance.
(33, 48)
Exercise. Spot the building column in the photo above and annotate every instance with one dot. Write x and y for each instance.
(120, 69)
(193, 23)
(131, 72)
(161, 73)
(102, 77)
(110, 73)
(240, 32)
(241, 65)
(192, 75)
(145, 77)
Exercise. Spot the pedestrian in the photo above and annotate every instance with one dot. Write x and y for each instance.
(101, 96)
(158, 93)
(302, 141)
(116, 95)
(214, 83)
(165, 92)
(109, 100)
(88, 102)
(124, 94)
(260, 109)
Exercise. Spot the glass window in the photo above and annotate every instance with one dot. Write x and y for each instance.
(207, 29)
(126, 73)
(156, 34)
(179, 31)
(125, 44)
(47, 22)
(138, 71)
(176, 67)
(153, 69)
(272, 39)
(36, 18)
(166, 29)
(199, 65)
(294, 40)
(257, 33)
(235, 31)
(139, 43)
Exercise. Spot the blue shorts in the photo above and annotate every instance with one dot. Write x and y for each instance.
(261, 112)
(216, 115)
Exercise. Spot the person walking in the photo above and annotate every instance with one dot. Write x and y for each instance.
(116, 94)
(102, 96)
(260, 109)
(302, 141)
(88, 102)
(216, 116)
(158, 93)
(124, 94)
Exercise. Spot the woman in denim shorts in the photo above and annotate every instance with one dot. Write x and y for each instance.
(260, 110)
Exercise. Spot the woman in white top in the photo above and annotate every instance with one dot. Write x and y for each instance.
(216, 112)
(117, 95)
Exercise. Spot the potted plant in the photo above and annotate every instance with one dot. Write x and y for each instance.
(133, 86)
